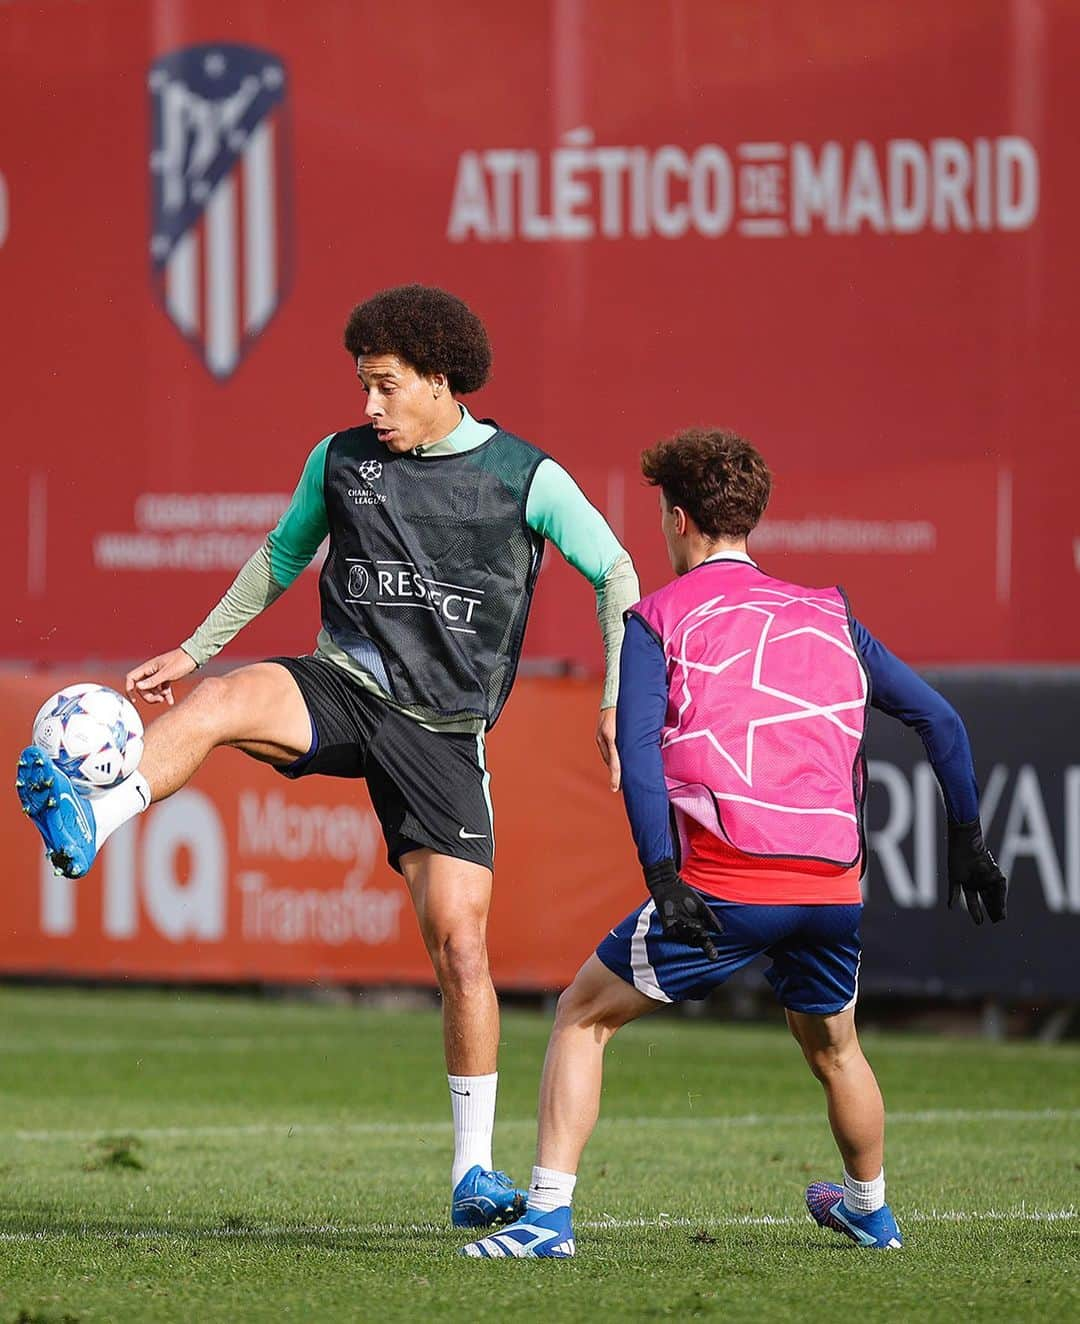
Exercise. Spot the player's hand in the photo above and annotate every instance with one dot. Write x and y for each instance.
(152, 681)
(684, 913)
(973, 868)
(605, 738)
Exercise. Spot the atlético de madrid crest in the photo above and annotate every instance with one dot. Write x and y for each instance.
(218, 179)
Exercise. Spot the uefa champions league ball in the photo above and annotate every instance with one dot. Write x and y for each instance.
(91, 733)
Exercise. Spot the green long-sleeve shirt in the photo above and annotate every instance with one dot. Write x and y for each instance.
(556, 508)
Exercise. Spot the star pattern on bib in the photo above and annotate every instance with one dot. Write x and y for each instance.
(752, 628)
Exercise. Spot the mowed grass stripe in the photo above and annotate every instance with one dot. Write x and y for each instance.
(286, 1130)
(265, 1233)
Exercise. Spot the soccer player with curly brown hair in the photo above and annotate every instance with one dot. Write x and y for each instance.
(741, 721)
(437, 524)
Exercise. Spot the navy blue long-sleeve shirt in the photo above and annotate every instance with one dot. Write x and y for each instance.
(895, 690)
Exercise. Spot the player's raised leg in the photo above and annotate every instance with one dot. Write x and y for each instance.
(452, 898)
(592, 1009)
(857, 1209)
(258, 709)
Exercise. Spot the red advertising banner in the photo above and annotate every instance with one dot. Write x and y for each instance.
(245, 876)
(846, 231)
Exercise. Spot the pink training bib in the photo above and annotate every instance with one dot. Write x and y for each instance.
(767, 698)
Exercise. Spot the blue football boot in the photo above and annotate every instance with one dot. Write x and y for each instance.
(876, 1231)
(536, 1236)
(63, 816)
(482, 1199)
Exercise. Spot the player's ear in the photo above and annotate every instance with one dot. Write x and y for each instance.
(680, 520)
(440, 384)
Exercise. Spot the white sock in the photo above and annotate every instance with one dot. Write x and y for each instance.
(472, 1099)
(550, 1189)
(114, 807)
(864, 1197)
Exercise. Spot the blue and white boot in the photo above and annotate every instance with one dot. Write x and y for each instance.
(536, 1236)
(63, 816)
(482, 1199)
(876, 1231)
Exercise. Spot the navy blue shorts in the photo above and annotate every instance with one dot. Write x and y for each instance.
(815, 953)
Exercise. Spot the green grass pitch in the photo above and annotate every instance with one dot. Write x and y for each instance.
(177, 1156)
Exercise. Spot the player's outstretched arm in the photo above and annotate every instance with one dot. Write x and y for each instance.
(558, 510)
(262, 579)
(152, 681)
(902, 694)
(605, 740)
(617, 591)
(253, 590)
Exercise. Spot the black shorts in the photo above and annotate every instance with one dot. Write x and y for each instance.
(428, 788)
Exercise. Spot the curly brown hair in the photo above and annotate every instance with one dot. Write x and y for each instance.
(717, 477)
(430, 329)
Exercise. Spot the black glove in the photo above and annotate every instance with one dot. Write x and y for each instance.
(973, 868)
(684, 913)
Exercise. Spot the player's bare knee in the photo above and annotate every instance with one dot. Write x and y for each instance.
(569, 1008)
(461, 959)
(582, 1008)
(829, 1060)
